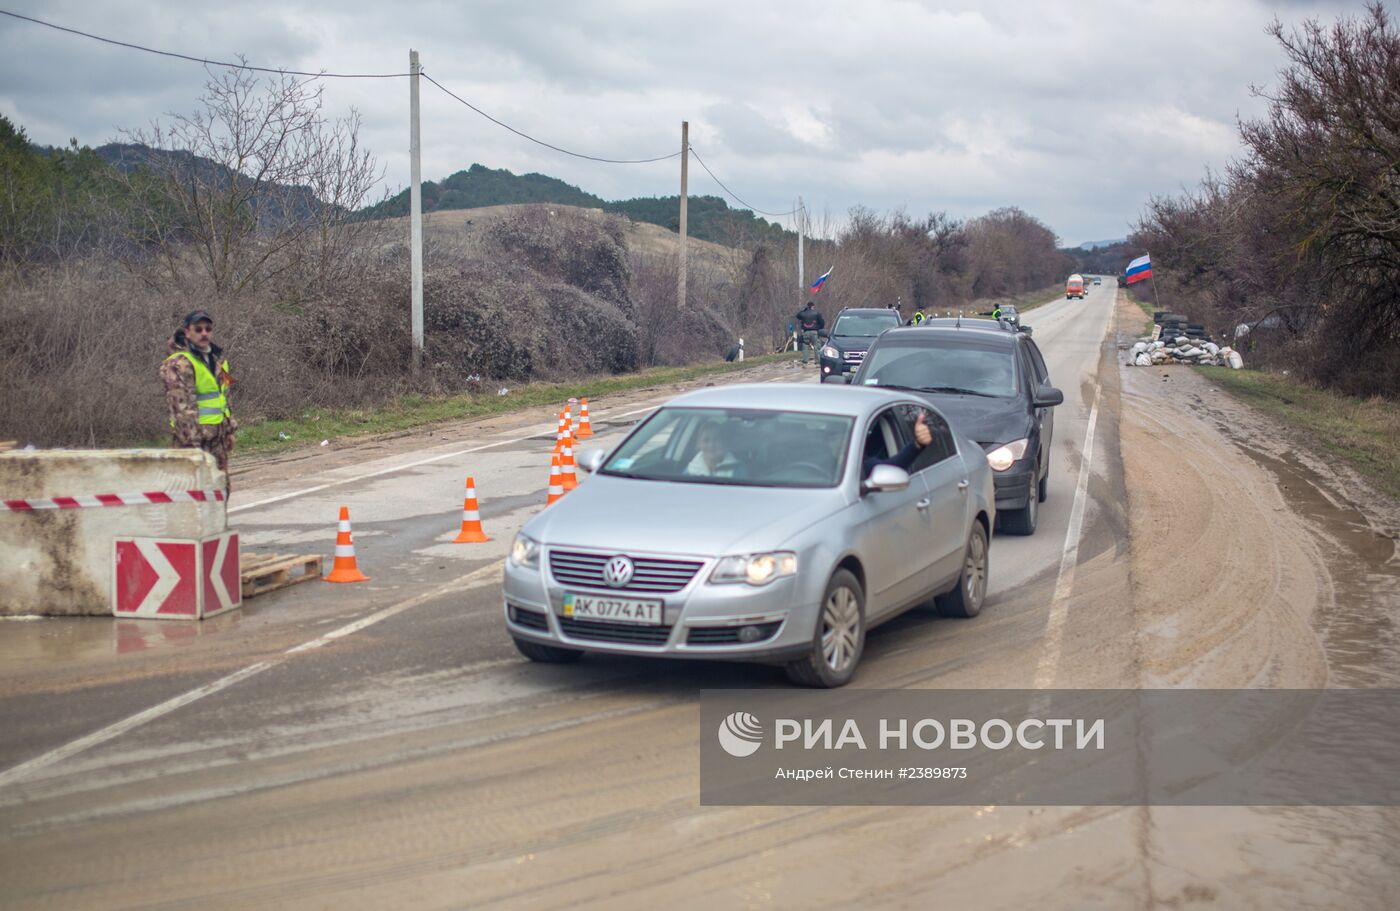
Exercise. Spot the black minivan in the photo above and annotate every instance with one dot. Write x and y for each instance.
(991, 382)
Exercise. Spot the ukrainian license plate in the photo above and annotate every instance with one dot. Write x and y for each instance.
(613, 610)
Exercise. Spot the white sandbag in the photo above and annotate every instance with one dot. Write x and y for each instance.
(1140, 347)
(1212, 347)
(1143, 360)
(1158, 346)
(1236, 362)
(1181, 341)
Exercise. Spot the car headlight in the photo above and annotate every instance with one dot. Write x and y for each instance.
(525, 552)
(755, 569)
(1003, 457)
(830, 351)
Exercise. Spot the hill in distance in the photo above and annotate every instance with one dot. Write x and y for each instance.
(710, 217)
(274, 201)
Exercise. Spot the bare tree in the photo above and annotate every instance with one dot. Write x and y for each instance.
(256, 182)
(1330, 148)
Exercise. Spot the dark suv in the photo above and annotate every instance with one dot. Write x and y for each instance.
(990, 381)
(855, 328)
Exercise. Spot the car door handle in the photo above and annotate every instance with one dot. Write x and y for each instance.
(962, 486)
(923, 504)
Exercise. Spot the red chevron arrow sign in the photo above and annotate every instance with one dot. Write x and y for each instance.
(223, 588)
(176, 579)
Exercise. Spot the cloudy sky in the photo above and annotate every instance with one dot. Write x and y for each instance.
(1075, 111)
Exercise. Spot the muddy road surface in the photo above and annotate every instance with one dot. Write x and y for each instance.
(383, 745)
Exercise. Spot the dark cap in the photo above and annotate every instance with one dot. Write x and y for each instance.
(196, 316)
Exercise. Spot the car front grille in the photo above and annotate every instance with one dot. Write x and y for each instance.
(855, 358)
(623, 633)
(652, 575)
(729, 635)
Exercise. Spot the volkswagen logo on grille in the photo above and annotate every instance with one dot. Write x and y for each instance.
(618, 572)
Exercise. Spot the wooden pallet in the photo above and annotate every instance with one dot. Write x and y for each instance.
(262, 573)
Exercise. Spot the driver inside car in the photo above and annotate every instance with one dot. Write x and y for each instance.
(713, 460)
(902, 459)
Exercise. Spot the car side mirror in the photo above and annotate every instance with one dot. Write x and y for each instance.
(591, 459)
(1049, 397)
(885, 478)
(1026, 329)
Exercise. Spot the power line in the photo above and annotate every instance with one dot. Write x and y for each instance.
(205, 61)
(734, 195)
(263, 69)
(325, 75)
(547, 145)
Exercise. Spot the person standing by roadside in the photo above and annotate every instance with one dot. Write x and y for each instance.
(810, 323)
(197, 380)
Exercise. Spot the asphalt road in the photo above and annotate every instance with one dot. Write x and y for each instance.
(383, 744)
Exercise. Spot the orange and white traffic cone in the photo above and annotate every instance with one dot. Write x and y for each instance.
(585, 429)
(559, 434)
(567, 467)
(556, 483)
(345, 568)
(471, 532)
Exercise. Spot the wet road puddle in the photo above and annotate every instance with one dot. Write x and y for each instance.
(1360, 631)
(75, 638)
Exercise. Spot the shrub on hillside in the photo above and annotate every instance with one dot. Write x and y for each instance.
(569, 246)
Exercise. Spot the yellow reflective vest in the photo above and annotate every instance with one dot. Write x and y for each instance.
(209, 390)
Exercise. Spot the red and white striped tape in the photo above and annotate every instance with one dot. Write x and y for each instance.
(114, 499)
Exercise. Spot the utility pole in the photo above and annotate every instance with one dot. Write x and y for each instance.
(415, 209)
(801, 228)
(685, 172)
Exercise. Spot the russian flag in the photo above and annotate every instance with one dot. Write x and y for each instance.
(817, 285)
(1139, 269)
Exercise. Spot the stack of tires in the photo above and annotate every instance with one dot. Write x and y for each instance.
(1175, 324)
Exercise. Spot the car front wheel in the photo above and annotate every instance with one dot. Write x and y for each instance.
(839, 637)
(1022, 521)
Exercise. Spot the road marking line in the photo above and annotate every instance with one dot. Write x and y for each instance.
(549, 432)
(437, 458)
(383, 471)
(112, 731)
(1064, 582)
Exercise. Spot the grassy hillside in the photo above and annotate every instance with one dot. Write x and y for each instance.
(468, 225)
(710, 217)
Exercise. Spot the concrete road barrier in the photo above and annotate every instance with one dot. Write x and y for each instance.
(62, 513)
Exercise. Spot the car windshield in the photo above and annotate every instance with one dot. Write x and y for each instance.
(735, 447)
(864, 326)
(942, 368)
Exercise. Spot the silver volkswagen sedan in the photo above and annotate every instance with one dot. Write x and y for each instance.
(774, 523)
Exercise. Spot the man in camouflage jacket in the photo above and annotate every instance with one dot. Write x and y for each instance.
(199, 418)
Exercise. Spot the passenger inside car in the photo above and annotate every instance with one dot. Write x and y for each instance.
(883, 442)
(714, 458)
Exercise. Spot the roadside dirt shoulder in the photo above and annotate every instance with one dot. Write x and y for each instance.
(1252, 562)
